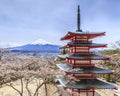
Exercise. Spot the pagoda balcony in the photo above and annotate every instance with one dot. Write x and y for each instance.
(82, 65)
(78, 53)
(84, 77)
(78, 92)
(82, 45)
(81, 41)
(70, 43)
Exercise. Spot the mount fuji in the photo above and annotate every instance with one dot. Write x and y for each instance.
(39, 45)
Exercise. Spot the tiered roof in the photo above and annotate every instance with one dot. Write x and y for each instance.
(91, 35)
(81, 70)
(86, 84)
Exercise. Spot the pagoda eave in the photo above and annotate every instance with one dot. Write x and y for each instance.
(90, 35)
(86, 84)
(81, 70)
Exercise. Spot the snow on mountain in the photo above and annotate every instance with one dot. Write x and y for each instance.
(41, 41)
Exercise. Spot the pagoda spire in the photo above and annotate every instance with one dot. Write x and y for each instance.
(78, 20)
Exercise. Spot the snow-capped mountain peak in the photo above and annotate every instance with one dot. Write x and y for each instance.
(41, 41)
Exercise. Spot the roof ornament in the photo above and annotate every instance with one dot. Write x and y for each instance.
(78, 20)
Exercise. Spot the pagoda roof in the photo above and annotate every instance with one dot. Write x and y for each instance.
(86, 84)
(92, 45)
(83, 70)
(91, 35)
(83, 57)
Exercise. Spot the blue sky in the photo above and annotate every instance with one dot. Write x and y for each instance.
(24, 21)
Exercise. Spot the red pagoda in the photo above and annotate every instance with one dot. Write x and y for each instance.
(79, 63)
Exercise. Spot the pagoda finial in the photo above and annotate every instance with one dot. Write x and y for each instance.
(78, 20)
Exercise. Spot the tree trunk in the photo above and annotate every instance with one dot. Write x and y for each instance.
(46, 91)
(21, 94)
(29, 93)
(38, 87)
(21, 86)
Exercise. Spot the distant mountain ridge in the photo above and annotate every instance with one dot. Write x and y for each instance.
(37, 47)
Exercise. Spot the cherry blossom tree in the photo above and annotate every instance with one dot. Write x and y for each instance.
(27, 69)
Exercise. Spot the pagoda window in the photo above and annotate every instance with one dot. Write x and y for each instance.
(70, 61)
(82, 40)
(84, 75)
(82, 61)
(82, 50)
(70, 50)
(73, 50)
(69, 90)
(75, 94)
(73, 61)
(73, 39)
(81, 37)
(79, 49)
